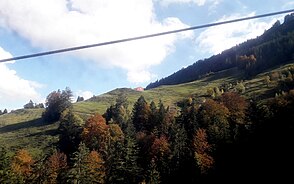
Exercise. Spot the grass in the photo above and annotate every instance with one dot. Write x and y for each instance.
(24, 128)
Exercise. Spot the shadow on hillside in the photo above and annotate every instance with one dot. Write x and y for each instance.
(53, 132)
(22, 125)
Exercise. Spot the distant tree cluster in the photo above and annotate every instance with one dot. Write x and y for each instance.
(5, 111)
(56, 103)
(32, 105)
(80, 99)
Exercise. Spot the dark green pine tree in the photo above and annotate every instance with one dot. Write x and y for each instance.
(78, 174)
(179, 145)
(4, 167)
(141, 114)
(70, 129)
(153, 120)
(40, 172)
(115, 163)
(118, 113)
(122, 161)
(153, 173)
(189, 118)
(133, 171)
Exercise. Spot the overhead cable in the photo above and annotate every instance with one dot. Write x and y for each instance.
(140, 37)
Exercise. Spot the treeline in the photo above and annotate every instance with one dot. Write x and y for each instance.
(3, 112)
(32, 105)
(217, 140)
(274, 47)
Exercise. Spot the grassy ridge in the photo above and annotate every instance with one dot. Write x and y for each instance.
(171, 94)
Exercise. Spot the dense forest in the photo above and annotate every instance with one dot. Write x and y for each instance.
(273, 48)
(218, 140)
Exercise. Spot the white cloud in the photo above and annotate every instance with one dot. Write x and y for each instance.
(216, 39)
(288, 5)
(14, 90)
(140, 76)
(65, 23)
(85, 94)
(197, 2)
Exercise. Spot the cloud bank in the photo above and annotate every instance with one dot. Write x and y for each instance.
(13, 89)
(216, 39)
(57, 24)
(197, 2)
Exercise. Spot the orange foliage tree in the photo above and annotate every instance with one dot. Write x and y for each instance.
(21, 164)
(202, 149)
(160, 147)
(237, 106)
(96, 134)
(56, 163)
(215, 118)
(96, 168)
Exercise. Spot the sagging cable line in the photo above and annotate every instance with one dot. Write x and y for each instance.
(141, 37)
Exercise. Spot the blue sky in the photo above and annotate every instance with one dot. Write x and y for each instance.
(39, 25)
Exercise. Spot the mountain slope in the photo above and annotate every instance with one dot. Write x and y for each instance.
(261, 79)
(24, 128)
(274, 47)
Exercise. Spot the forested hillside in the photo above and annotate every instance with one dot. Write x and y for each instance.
(217, 140)
(274, 47)
(232, 125)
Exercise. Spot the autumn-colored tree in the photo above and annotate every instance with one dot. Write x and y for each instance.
(237, 106)
(160, 153)
(96, 169)
(160, 148)
(96, 134)
(202, 151)
(211, 110)
(21, 165)
(56, 164)
(215, 119)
